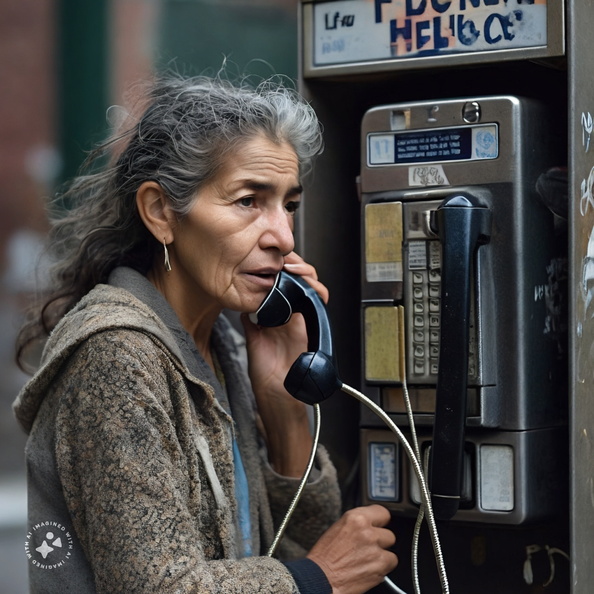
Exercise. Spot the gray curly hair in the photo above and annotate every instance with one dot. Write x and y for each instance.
(187, 129)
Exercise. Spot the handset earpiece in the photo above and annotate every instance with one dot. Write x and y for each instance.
(313, 376)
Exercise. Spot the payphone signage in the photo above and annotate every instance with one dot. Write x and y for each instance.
(362, 32)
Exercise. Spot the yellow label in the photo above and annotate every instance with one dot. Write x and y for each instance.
(383, 241)
(382, 344)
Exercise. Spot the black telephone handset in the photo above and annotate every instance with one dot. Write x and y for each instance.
(462, 225)
(313, 376)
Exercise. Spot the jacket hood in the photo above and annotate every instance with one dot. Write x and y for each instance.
(103, 308)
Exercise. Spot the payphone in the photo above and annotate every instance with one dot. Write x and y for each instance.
(458, 260)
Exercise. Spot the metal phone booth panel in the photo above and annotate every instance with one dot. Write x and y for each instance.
(379, 68)
(480, 157)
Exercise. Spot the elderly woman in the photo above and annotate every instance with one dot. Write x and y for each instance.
(157, 460)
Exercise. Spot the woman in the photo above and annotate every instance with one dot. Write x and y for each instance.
(155, 464)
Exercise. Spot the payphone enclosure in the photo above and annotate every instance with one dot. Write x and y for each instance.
(355, 62)
(415, 156)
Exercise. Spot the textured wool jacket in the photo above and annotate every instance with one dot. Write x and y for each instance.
(130, 463)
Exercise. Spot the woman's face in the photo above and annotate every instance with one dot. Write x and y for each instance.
(228, 249)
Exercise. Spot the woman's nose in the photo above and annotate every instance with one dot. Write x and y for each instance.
(278, 232)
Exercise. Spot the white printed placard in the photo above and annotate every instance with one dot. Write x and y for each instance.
(352, 31)
(427, 175)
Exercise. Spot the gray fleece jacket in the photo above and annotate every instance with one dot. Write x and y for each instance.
(130, 463)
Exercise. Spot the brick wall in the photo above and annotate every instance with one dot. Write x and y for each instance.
(27, 113)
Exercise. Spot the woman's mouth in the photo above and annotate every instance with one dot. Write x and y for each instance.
(262, 279)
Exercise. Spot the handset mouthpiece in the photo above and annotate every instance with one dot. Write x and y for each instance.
(313, 376)
(275, 310)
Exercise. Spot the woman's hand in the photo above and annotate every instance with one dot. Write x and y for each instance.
(353, 552)
(297, 265)
(271, 352)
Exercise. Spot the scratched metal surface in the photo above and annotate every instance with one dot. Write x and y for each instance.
(581, 92)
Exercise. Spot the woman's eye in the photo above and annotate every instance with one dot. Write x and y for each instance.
(247, 201)
(292, 206)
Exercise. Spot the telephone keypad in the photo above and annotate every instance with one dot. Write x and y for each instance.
(424, 302)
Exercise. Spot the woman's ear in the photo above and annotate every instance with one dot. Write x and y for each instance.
(155, 211)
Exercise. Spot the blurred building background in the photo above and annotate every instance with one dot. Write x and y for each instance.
(63, 63)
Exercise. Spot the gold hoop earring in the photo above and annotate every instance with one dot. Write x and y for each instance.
(167, 262)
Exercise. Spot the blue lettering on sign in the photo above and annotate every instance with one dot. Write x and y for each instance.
(422, 39)
(467, 31)
(429, 34)
(506, 22)
(334, 46)
(378, 9)
(418, 7)
(405, 32)
(438, 41)
(445, 20)
(440, 6)
(412, 10)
